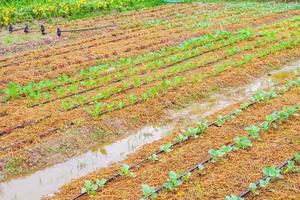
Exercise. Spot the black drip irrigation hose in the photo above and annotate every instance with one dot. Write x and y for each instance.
(248, 191)
(59, 31)
(23, 125)
(29, 140)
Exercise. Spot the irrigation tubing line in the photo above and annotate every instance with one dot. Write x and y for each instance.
(60, 31)
(248, 191)
(44, 134)
(23, 125)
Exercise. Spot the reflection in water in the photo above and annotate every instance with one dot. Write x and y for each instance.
(49, 180)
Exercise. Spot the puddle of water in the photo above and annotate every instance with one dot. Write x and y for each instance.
(228, 97)
(49, 180)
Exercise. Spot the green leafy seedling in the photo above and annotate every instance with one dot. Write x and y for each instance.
(167, 148)
(272, 172)
(181, 138)
(153, 157)
(148, 192)
(264, 182)
(125, 171)
(253, 188)
(173, 181)
(220, 121)
(253, 131)
(242, 142)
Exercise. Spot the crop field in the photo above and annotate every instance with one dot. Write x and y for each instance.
(65, 99)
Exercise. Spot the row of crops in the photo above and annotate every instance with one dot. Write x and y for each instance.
(19, 11)
(252, 134)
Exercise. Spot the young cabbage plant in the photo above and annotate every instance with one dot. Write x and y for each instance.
(272, 172)
(181, 138)
(253, 131)
(215, 154)
(96, 110)
(172, 182)
(291, 167)
(263, 183)
(220, 121)
(167, 148)
(125, 171)
(13, 91)
(242, 142)
(92, 188)
(259, 96)
(148, 192)
(153, 158)
(253, 188)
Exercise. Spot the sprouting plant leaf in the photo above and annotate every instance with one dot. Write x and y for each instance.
(220, 120)
(181, 138)
(264, 182)
(173, 181)
(272, 172)
(253, 131)
(148, 191)
(153, 157)
(253, 188)
(186, 177)
(125, 171)
(242, 142)
(291, 167)
(166, 148)
(215, 154)
(201, 168)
